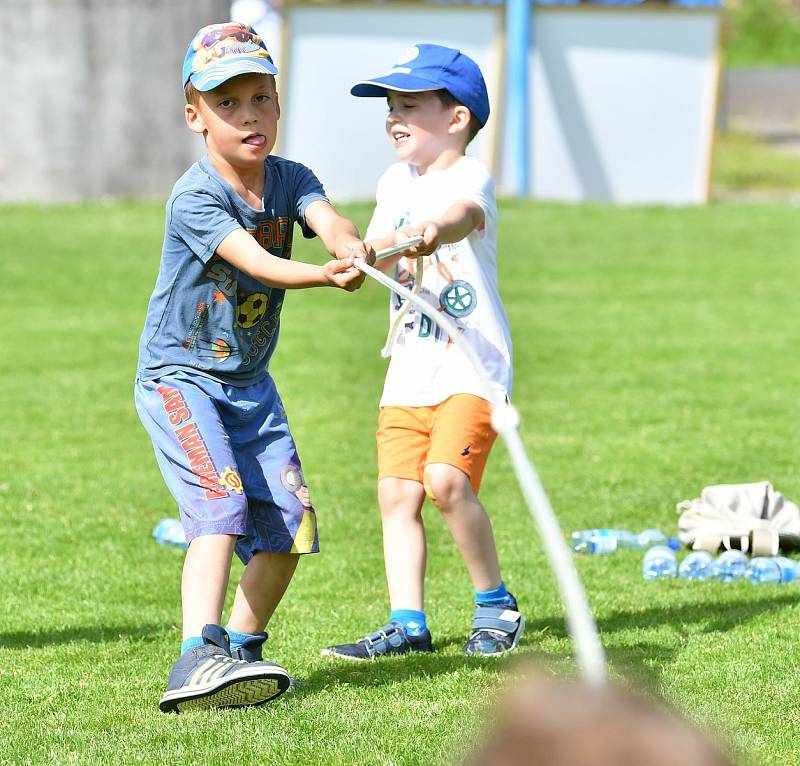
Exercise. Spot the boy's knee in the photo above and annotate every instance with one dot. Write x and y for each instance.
(399, 497)
(446, 485)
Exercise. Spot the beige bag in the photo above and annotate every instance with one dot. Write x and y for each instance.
(752, 517)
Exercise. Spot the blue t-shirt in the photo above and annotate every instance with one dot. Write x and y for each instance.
(205, 315)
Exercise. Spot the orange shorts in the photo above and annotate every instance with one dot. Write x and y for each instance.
(458, 431)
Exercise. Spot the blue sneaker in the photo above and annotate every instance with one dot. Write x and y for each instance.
(208, 677)
(495, 630)
(252, 651)
(390, 639)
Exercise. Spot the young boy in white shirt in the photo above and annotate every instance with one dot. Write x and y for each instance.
(435, 433)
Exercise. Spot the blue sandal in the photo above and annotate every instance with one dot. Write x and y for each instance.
(495, 630)
(390, 639)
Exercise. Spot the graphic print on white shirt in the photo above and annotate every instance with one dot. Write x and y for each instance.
(460, 279)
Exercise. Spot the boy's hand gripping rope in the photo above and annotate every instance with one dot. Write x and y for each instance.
(505, 419)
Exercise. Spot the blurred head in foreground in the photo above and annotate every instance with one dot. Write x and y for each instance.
(548, 722)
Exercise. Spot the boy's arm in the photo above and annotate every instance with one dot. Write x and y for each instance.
(338, 234)
(457, 222)
(382, 243)
(242, 251)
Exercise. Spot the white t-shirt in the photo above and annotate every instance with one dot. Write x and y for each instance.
(460, 278)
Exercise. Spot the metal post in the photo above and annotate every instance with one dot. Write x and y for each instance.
(519, 16)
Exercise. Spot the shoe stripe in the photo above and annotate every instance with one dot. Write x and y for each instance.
(224, 664)
(217, 671)
(197, 677)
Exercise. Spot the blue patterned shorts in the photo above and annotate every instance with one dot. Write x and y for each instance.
(230, 462)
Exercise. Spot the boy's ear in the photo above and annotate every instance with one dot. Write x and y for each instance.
(460, 119)
(193, 119)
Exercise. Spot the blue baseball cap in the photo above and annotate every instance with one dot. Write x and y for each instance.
(433, 67)
(221, 51)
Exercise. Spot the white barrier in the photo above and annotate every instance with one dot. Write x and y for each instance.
(622, 100)
(623, 104)
(327, 49)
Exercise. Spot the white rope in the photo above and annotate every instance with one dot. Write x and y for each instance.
(505, 419)
(386, 351)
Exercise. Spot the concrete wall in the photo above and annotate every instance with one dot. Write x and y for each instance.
(91, 96)
(765, 102)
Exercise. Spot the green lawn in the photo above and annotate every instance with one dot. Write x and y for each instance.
(746, 164)
(762, 33)
(655, 354)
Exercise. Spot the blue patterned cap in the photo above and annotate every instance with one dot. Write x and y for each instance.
(221, 51)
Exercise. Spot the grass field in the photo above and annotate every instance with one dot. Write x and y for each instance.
(749, 165)
(656, 353)
(762, 33)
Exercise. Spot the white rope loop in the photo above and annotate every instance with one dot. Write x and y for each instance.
(505, 419)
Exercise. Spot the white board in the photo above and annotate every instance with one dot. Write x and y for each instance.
(623, 104)
(329, 48)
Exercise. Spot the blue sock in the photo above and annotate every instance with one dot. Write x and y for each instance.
(193, 642)
(413, 621)
(237, 639)
(498, 596)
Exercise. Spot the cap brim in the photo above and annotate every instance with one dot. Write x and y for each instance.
(403, 83)
(213, 76)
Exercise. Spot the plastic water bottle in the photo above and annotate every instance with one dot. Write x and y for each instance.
(789, 569)
(763, 570)
(610, 540)
(651, 537)
(771, 569)
(595, 540)
(659, 562)
(730, 566)
(170, 532)
(648, 538)
(698, 565)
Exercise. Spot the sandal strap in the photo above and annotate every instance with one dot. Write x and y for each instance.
(495, 618)
(383, 638)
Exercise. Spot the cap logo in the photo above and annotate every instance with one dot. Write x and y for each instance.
(235, 31)
(408, 55)
(226, 40)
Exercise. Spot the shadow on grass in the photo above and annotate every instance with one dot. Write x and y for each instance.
(641, 661)
(714, 615)
(394, 670)
(93, 635)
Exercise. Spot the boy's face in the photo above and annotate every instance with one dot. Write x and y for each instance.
(421, 127)
(239, 119)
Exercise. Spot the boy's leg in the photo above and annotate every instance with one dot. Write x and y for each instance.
(281, 517)
(403, 436)
(405, 556)
(450, 491)
(180, 412)
(264, 582)
(461, 440)
(205, 580)
(404, 548)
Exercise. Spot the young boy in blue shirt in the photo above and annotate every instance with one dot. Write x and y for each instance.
(434, 429)
(203, 390)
